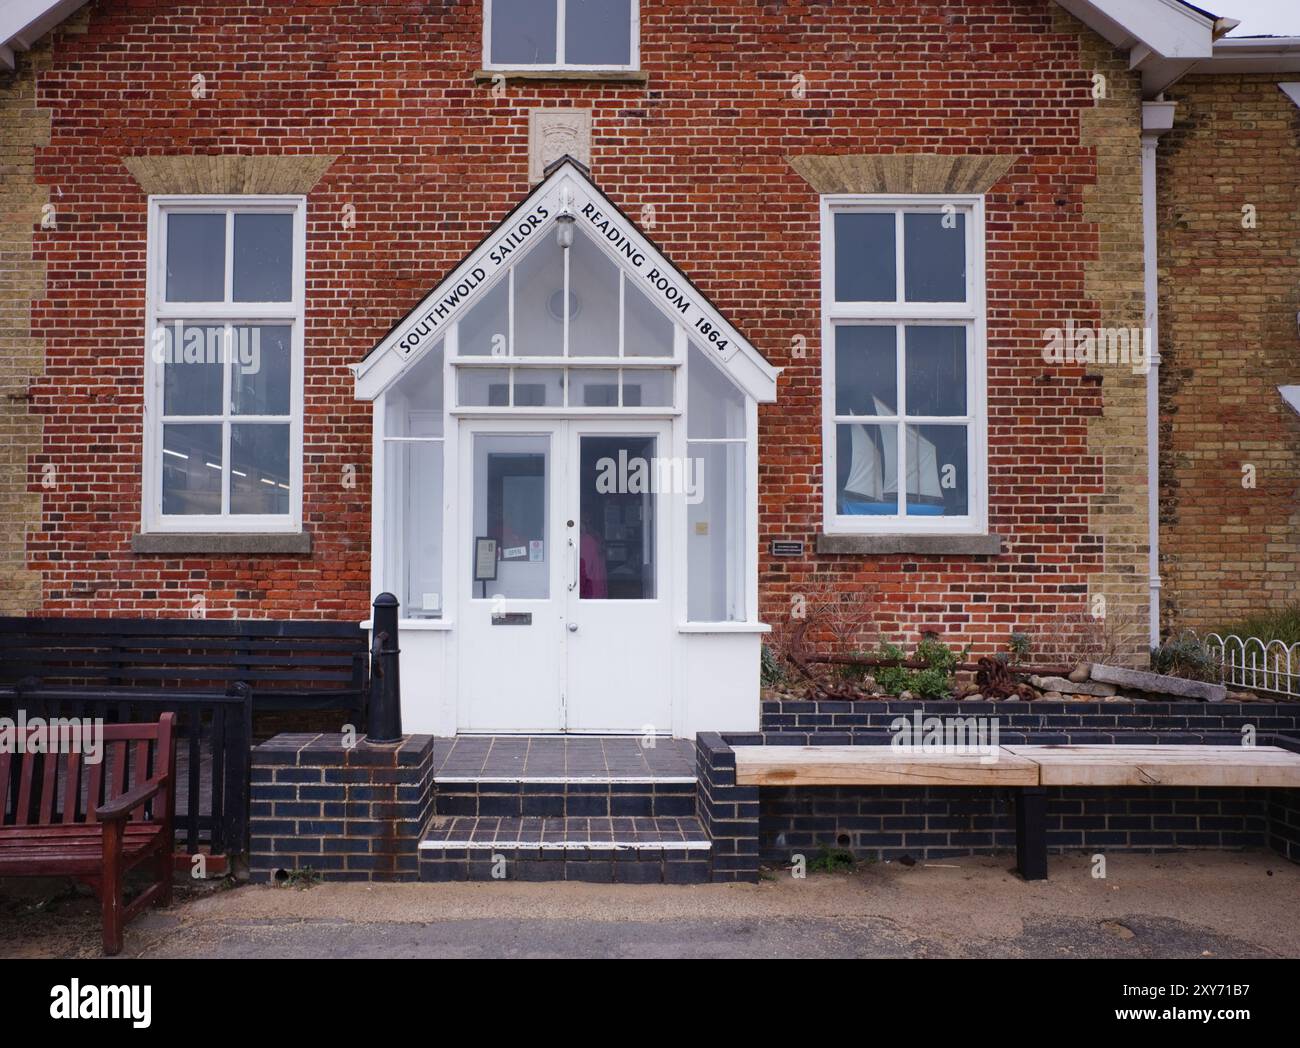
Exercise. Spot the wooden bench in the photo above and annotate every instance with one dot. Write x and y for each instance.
(289, 665)
(93, 822)
(1028, 770)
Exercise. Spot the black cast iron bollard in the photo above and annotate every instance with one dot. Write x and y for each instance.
(384, 722)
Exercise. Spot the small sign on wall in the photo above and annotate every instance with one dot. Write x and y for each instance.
(786, 548)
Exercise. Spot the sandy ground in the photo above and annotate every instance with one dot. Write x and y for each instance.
(1186, 905)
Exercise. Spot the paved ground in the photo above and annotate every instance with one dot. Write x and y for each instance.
(1190, 905)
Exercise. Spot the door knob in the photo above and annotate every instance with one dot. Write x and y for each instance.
(573, 627)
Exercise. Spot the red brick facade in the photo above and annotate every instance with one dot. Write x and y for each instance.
(431, 161)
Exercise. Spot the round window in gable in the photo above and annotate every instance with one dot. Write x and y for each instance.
(555, 305)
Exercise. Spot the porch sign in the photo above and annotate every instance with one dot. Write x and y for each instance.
(566, 190)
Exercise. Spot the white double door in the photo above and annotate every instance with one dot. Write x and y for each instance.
(564, 573)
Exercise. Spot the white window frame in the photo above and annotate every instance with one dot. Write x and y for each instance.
(560, 64)
(158, 311)
(973, 313)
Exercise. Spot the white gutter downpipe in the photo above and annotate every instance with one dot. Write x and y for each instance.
(1157, 118)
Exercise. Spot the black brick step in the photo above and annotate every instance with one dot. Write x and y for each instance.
(564, 799)
(618, 850)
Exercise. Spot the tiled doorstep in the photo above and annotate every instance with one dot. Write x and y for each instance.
(642, 834)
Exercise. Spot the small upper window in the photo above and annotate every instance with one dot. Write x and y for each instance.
(560, 34)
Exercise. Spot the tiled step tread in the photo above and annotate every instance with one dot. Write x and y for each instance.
(665, 833)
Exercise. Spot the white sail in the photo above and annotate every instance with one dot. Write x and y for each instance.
(865, 479)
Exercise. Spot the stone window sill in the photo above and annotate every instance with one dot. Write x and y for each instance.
(616, 76)
(923, 545)
(294, 542)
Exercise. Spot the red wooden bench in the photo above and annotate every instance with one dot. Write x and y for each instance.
(122, 819)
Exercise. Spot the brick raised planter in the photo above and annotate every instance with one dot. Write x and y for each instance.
(934, 823)
(348, 814)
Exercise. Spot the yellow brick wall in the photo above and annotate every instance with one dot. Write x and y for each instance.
(1229, 300)
(1118, 511)
(24, 128)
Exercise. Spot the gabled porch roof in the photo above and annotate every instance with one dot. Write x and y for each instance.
(567, 189)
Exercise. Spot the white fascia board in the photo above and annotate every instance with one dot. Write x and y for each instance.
(23, 22)
(422, 328)
(1170, 29)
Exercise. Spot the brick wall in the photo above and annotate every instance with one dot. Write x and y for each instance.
(347, 813)
(833, 723)
(431, 160)
(933, 823)
(1229, 302)
(728, 812)
(24, 129)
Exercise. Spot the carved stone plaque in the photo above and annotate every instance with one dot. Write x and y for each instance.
(554, 132)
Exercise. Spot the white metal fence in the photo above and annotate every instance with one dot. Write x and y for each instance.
(1257, 665)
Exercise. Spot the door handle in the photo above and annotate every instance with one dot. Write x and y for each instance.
(573, 627)
(573, 565)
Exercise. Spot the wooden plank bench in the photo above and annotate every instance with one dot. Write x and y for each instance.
(93, 822)
(876, 766)
(1027, 770)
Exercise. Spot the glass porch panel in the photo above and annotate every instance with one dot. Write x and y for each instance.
(413, 492)
(716, 536)
(485, 329)
(414, 404)
(593, 388)
(512, 498)
(647, 389)
(617, 527)
(538, 388)
(715, 409)
(484, 387)
(539, 301)
(593, 300)
(646, 331)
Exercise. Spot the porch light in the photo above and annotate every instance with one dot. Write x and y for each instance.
(564, 229)
(564, 219)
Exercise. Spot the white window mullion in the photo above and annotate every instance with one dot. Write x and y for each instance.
(900, 281)
(568, 298)
(900, 368)
(559, 33)
(622, 315)
(227, 413)
(230, 258)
